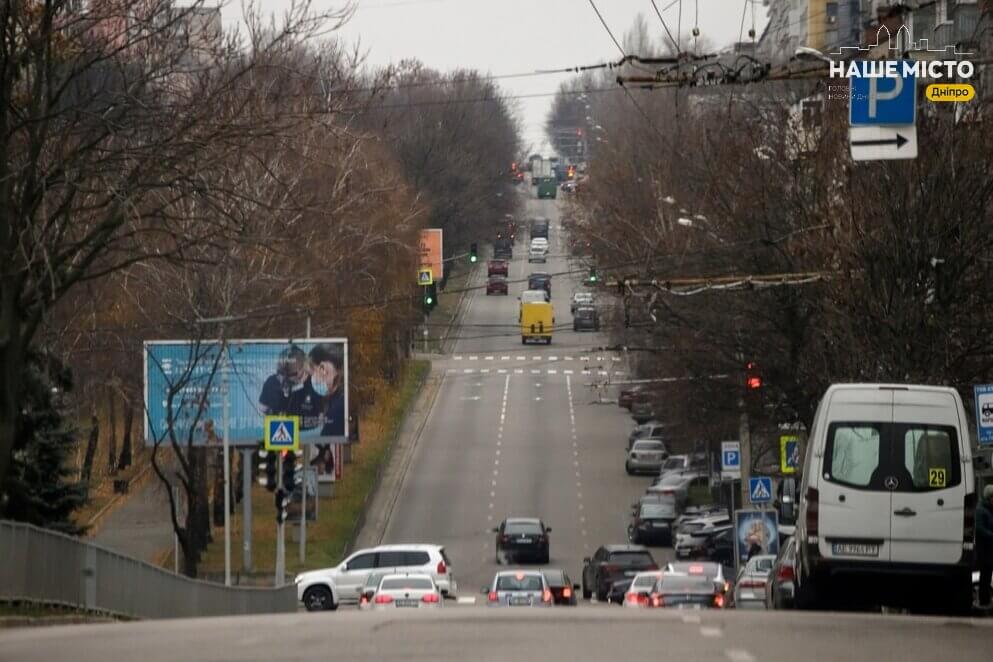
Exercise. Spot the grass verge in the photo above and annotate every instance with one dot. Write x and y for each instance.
(328, 536)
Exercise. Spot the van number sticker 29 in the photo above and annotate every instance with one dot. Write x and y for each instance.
(936, 477)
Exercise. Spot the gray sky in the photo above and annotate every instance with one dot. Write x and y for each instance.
(518, 36)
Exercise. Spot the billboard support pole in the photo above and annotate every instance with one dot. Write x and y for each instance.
(280, 530)
(303, 488)
(246, 505)
(227, 464)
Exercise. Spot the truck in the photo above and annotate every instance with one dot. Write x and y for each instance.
(537, 321)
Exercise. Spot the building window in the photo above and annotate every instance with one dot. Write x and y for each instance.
(831, 12)
(941, 12)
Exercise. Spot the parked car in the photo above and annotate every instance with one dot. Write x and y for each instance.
(497, 268)
(678, 485)
(627, 396)
(563, 590)
(639, 589)
(497, 285)
(653, 522)
(612, 562)
(686, 591)
(518, 588)
(407, 591)
(569, 186)
(692, 535)
(328, 587)
(642, 410)
(586, 318)
(649, 430)
(580, 299)
(719, 547)
(681, 464)
(646, 456)
(887, 492)
(522, 538)
(780, 588)
(750, 584)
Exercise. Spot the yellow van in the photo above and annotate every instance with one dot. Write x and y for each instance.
(536, 321)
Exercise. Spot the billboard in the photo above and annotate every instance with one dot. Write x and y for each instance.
(431, 252)
(755, 530)
(184, 385)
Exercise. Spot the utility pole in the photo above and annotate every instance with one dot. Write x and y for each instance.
(226, 431)
(280, 527)
(305, 451)
(745, 439)
(246, 508)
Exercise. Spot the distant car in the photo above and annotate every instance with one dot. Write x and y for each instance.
(626, 396)
(617, 590)
(679, 485)
(640, 587)
(539, 280)
(496, 268)
(780, 589)
(569, 186)
(642, 410)
(719, 547)
(692, 538)
(611, 563)
(686, 591)
(537, 254)
(518, 588)
(646, 456)
(680, 464)
(519, 538)
(749, 586)
(497, 285)
(407, 591)
(715, 572)
(653, 522)
(586, 318)
(649, 430)
(580, 299)
(562, 588)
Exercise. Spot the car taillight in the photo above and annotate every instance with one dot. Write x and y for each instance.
(430, 597)
(631, 598)
(969, 522)
(442, 568)
(492, 596)
(384, 599)
(546, 596)
(567, 592)
(719, 601)
(811, 520)
(657, 600)
(785, 573)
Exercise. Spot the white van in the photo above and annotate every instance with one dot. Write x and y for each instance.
(887, 498)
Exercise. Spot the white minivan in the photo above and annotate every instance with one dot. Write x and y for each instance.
(887, 499)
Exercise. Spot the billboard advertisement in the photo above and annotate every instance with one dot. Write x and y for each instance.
(185, 389)
(431, 252)
(755, 532)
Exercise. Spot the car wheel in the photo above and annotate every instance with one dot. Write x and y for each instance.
(627, 467)
(319, 598)
(587, 594)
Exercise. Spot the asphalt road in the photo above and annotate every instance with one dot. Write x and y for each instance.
(592, 633)
(515, 431)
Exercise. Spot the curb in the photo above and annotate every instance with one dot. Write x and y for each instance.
(44, 621)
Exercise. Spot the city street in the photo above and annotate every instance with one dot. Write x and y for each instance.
(515, 431)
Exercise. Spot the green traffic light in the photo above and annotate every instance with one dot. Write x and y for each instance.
(428, 300)
(473, 258)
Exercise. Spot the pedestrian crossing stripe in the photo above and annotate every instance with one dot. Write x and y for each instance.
(282, 433)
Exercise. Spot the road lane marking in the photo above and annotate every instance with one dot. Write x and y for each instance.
(457, 358)
(739, 655)
(711, 632)
(553, 358)
(473, 358)
(564, 372)
(489, 358)
(522, 358)
(468, 371)
(536, 372)
(518, 371)
(504, 358)
(536, 358)
(691, 618)
(553, 372)
(470, 600)
(451, 370)
(501, 371)
(484, 371)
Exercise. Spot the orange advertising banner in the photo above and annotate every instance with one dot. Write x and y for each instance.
(431, 252)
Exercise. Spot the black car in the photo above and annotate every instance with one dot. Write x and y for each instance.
(539, 228)
(653, 522)
(613, 563)
(618, 590)
(676, 590)
(562, 588)
(719, 547)
(586, 318)
(540, 280)
(522, 538)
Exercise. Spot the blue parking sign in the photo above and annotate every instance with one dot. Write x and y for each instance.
(984, 413)
(883, 100)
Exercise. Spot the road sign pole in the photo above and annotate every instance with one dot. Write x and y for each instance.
(745, 437)
(246, 508)
(280, 529)
(303, 488)
(226, 431)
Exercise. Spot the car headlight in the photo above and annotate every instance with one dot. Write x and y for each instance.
(298, 579)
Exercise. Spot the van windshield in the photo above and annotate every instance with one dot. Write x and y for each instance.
(905, 457)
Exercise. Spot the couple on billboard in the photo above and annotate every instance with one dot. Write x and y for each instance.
(311, 386)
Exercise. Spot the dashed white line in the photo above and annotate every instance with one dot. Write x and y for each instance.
(489, 358)
(485, 371)
(501, 371)
(553, 372)
(504, 358)
(473, 358)
(711, 632)
(690, 618)
(739, 655)
(567, 372)
(522, 358)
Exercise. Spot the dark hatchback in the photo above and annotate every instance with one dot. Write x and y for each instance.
(521, 538)
(540, 281)
(653, 523)
(586, 318)
(613, 563)
(562, 588)
(497, 285)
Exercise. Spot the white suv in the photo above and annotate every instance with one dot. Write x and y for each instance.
(329, 587)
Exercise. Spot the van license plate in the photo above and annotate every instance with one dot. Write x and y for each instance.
(854, 549)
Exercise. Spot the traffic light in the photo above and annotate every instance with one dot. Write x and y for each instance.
(753, 380)
(289, 471)
(593, 275)
(269, 466)
(282, 500)
(473, 253)
(429, 298)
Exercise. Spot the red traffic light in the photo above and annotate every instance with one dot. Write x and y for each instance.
(753, 381)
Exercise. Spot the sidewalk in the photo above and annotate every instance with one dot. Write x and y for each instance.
(141, 527)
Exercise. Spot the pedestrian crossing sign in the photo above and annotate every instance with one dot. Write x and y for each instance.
(760, 489)
(425, 276)
(282, 433)
(789, 453)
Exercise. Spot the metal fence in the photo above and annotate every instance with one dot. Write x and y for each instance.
(38, 565)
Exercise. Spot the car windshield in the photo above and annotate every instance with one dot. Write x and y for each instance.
(513, 528)
(554, 577)
(631, 558)
(674, 463)
(407, 584)
(645, 445)
(687, 583)
(519, 583)
(644, 581)
(657, 510)
(585, 312)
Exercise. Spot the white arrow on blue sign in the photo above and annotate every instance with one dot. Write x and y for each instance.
(760, 489)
